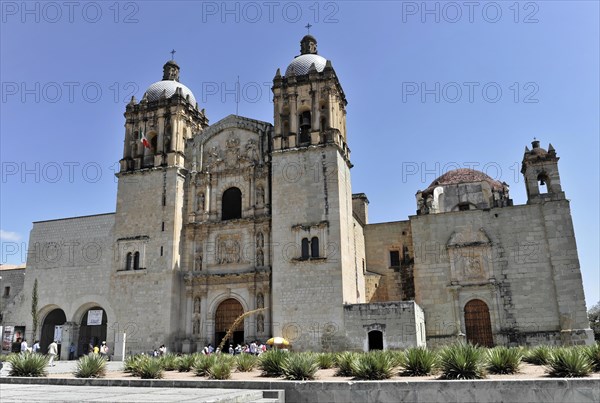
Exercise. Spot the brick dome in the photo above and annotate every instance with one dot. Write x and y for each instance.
(463, 175)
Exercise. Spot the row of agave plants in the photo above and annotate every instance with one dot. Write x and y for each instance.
(458, 361)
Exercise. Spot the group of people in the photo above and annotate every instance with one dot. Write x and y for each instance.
(35, 349)
(102, 349)
(254, 348)
(162, 350)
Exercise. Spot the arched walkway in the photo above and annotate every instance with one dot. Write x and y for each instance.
(478, 324)
(54, 318)
(227, 312)
(92, 329)
(375, 340)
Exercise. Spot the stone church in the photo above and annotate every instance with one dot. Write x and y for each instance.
(242, 215)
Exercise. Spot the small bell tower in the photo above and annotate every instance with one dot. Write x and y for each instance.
(540, 171)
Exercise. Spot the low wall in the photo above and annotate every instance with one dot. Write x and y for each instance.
(539, 390)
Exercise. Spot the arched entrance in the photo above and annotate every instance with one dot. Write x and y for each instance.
(478, 324)
(227, 312)
(92, 329)
(55, 318)
(375, 340)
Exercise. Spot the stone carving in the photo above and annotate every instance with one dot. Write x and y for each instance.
(260, 240)
(213, 156)
(260, 323)
(233, 152)
(198, 259)
(260, 300)
(251, 151)
(260, 196)
(260, 258)
(201, 201)
(196, 327)
(228, 251)
(197, 305)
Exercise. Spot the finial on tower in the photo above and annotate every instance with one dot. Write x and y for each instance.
(308, 26)
(171, 71)
(173, 54)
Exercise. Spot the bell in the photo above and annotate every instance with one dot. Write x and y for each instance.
(542, 182)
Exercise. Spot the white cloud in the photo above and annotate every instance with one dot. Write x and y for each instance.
(8, 236)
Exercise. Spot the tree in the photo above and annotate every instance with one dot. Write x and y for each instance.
(594, 317)
(34, 308)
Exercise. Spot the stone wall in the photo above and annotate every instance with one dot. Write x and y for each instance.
(401, 324)
(521, 261)
(11, 285)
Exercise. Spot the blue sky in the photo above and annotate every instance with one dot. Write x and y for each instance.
(431, 86)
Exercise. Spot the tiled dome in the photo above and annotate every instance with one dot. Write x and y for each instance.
(463, 175)
(169, 86)
(301, 64)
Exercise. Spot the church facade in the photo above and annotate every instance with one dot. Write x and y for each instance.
(214, 221)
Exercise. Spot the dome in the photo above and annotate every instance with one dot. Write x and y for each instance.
(169, 86)
(301, 64)
(463, 175)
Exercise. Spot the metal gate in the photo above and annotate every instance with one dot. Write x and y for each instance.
(478, 324)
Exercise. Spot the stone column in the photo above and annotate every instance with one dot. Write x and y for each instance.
(294, 113)
(70, 334)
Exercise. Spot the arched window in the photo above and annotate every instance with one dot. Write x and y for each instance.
(305, 243)
(231, 204)
(136, 261)
(543, 183)
(305, 126)
(314, 247)
(128, 261)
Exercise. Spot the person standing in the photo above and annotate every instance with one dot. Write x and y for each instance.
(24, 346)
(52, 351)
(104, 350)
(36, 346)
(72, 351)
(162, 350)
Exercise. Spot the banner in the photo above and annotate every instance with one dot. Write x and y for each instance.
(94, 317)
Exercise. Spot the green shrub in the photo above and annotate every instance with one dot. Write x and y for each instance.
(503, 360)
(185, 362)
(374, 365)
(462, 361)
(246, 362)
(90, 366)
(221, 367)
(419, 362)
(593, 354)
(568, 363)
(168, 362)
(398, 357)
(271, 362)
(345, 363)
(326, 360)
(132, 364)
(28, 364)
(300, 366)
(203, 364)
(538, 355)
(150, 368)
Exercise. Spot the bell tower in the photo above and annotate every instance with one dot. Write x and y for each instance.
(540, 171)
(314, 265)
(150, 200)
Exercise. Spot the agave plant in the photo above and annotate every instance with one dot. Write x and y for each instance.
(375, 365)
(326, 360)
(345, 363)
(271, 362)
(28, 364)
(300, 366)
(568, 363)
(419, 361)
(185, 362)
(203, 364)
(90, 366)
(503, 360)
(168, 362)
(246, 362)
(539, 355)
(462, 361)
(593, 354)
(221, 367)
(149, 368)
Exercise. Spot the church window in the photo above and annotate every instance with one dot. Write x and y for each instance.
(128, 261)
(163, 226)
(136, 261)
(543, 183)
(6, 291)
(305, 248)
(231, 204)
(463, 207)
(394, 258)
(161, 250)
(305, 126)
(314, 247)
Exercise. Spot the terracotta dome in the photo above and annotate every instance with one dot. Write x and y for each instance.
(463, 175)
